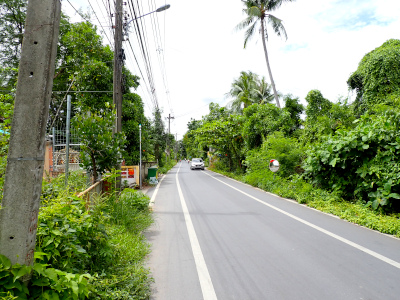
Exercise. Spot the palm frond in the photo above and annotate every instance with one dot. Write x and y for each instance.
(277, 25)
(249, 33)
(245, 23)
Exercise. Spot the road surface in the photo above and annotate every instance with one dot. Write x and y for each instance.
(215, 238)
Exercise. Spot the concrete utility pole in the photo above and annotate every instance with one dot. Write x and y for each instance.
(24, 173)
(118, 61)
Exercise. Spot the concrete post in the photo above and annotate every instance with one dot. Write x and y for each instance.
(24, 173)
(67, 131)
(118, 59)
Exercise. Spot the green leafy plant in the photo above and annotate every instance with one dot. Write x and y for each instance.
(101, 150)
(45, 282)
(361, 162)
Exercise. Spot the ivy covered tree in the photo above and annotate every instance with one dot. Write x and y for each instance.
(377, 78)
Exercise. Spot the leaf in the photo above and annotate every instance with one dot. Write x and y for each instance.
(56, 232)
(333, 162)
(49, 241)
(6, 263)
(51, 273)
(21, 272)
(375, 204)
(394, 195)
(387, 186)
(365, 146)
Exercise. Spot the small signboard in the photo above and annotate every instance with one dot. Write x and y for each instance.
(128, 174)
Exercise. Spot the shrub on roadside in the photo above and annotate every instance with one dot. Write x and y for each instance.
(84, 254)
(361, 162)
(286, 150)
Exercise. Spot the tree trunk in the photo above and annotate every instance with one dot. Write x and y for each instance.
(268, 66)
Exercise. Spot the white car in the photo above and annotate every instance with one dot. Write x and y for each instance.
(197, 163)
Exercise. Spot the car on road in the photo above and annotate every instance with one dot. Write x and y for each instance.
(197, 163)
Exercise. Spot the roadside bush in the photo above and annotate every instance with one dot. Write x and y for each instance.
(286, 150)
(167, 166)
(80, 254)
(363, 162)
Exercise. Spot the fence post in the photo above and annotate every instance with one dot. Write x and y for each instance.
(67, 139)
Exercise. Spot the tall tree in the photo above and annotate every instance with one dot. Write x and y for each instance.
(377, 78)
(248, 89)
(244, 91)
(158, 136)
(263, 92)
(258, 13)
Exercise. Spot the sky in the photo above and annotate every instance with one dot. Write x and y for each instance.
(196, 53)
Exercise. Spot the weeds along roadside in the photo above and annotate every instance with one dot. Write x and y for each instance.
(304, 193)
(96, 254)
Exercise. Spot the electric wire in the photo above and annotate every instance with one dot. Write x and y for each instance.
(140, 33)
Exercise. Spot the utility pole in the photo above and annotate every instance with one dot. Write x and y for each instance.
(169, 131)
(118, 62)
(23, 181)
(119, 57)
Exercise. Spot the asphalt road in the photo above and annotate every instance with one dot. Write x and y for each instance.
(215, 238)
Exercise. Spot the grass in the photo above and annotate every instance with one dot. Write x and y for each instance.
(127, 277)
(304, 193)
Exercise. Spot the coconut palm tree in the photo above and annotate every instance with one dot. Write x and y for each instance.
(258, 14)
(244, 90)
(263, 92)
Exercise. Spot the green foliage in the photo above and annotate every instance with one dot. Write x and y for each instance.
(158, 136)
(248, 89)
(81, 254)
(295, 109)
(324, 117)
(362, 161)
(168, 166)
(45, 282)
(377, 78)
(100, 149)
(287, 151)
(262, 120)
(6, 112)
(225, 136)
(132, 116)
(12, 23)
(73, 239)
(130, 209)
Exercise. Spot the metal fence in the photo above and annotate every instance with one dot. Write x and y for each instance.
(58, 159)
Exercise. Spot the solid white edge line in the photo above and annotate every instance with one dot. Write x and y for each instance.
(331, 234)
(153, 197)
(206, 285)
